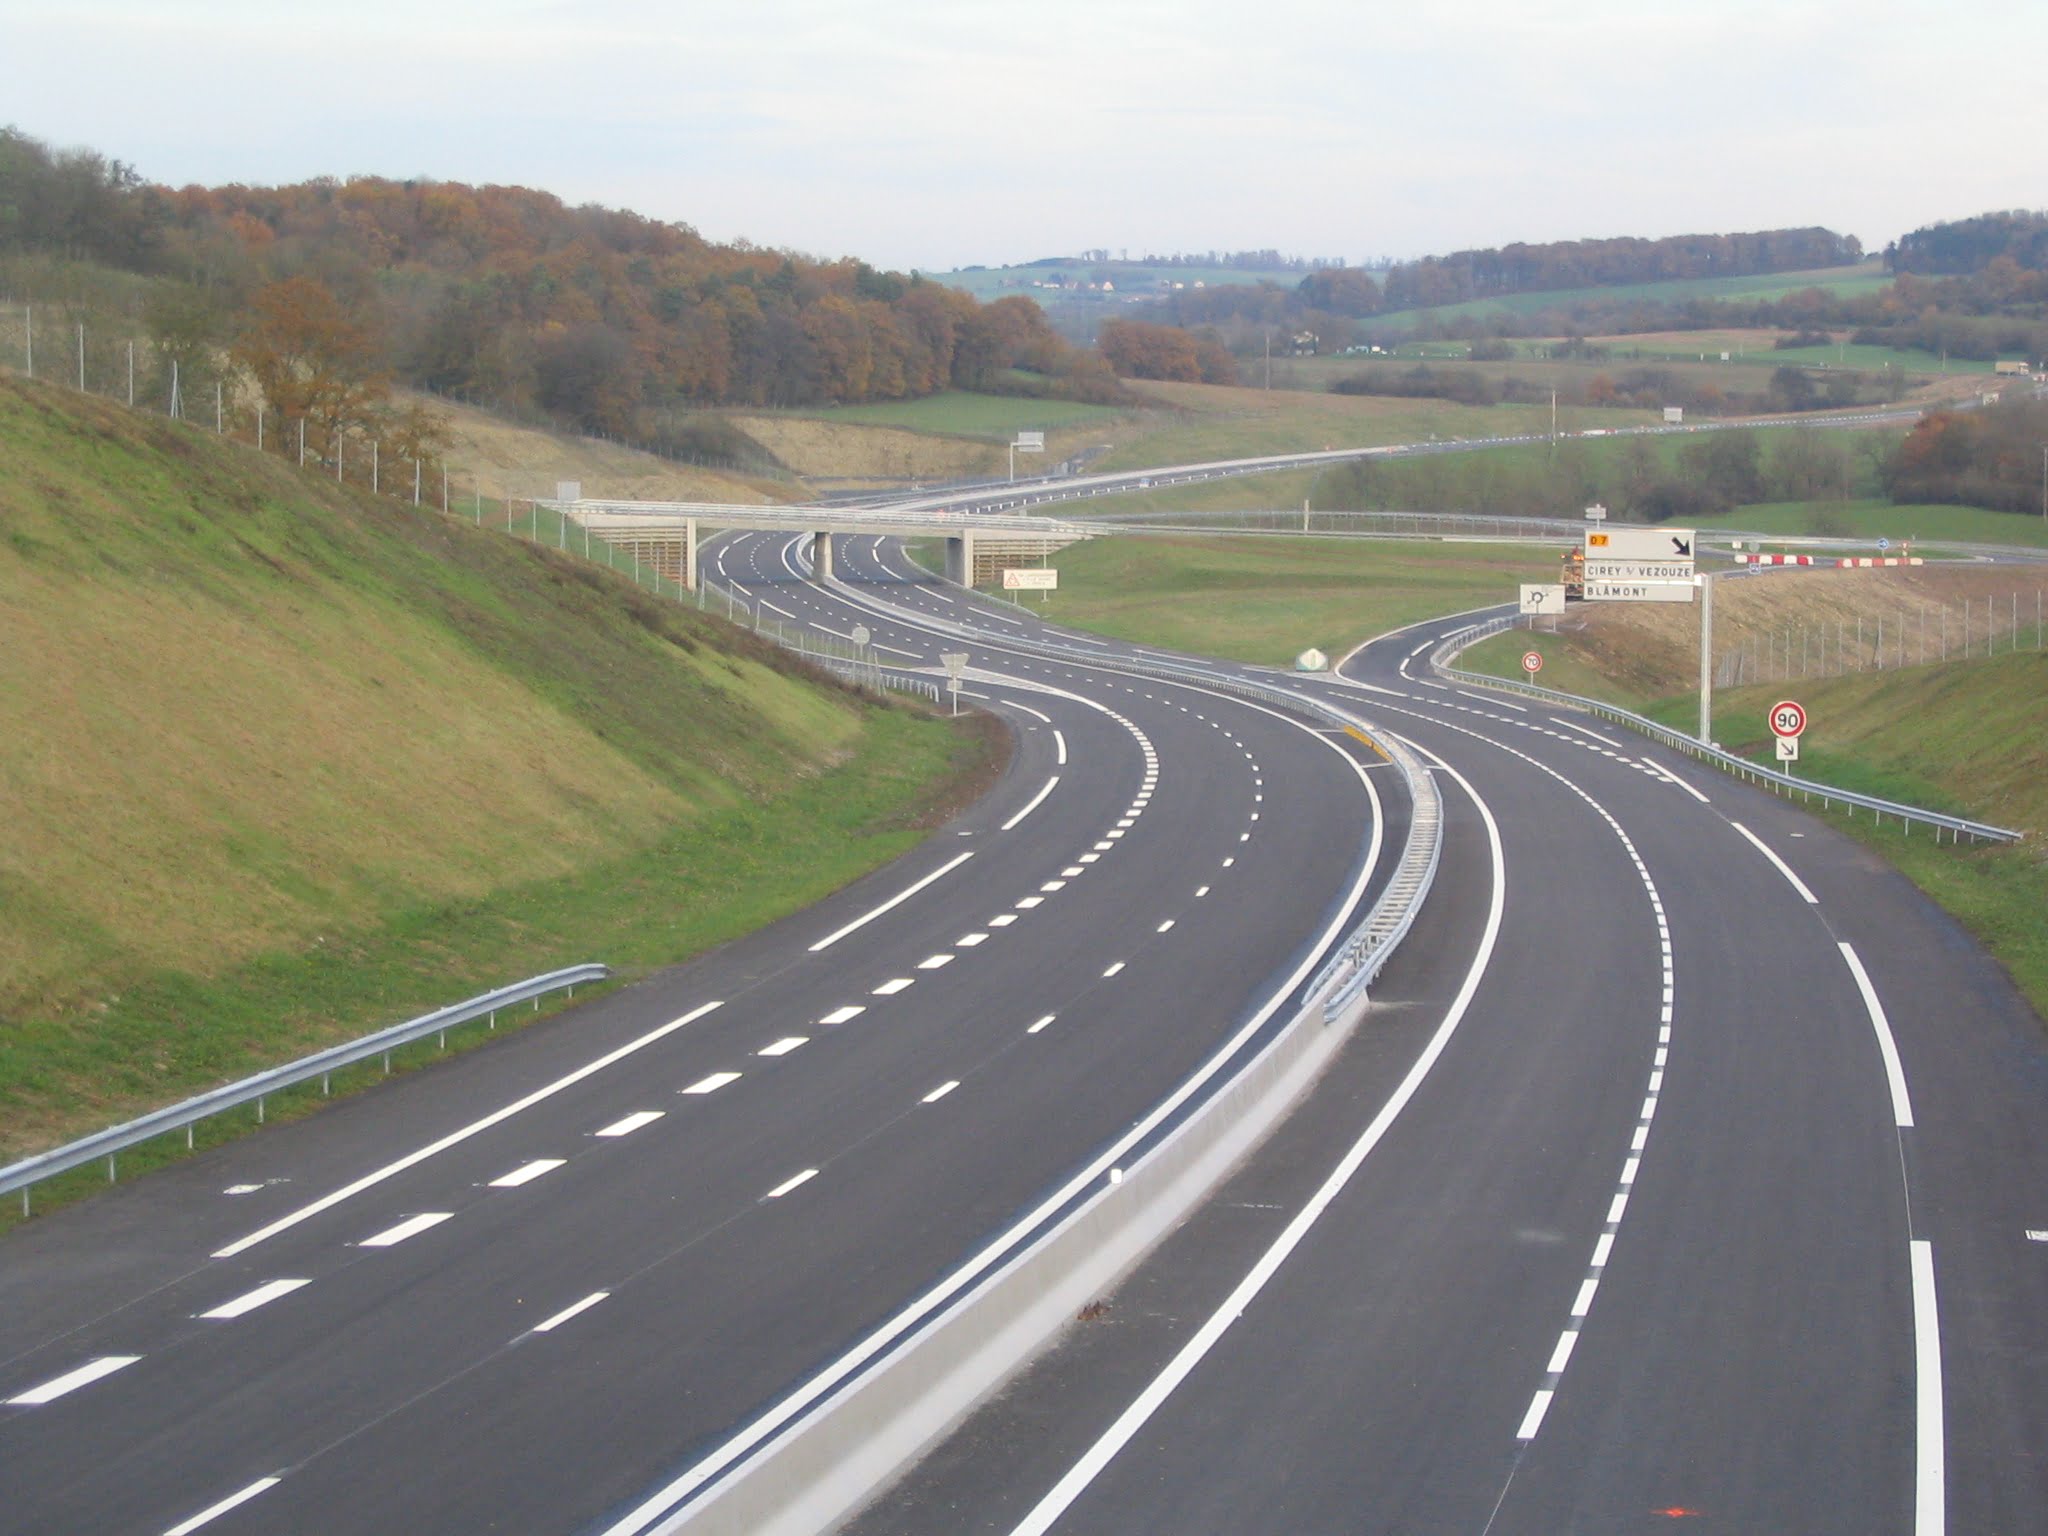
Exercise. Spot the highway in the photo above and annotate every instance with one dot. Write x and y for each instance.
(1687, 1171)
(528, 1288)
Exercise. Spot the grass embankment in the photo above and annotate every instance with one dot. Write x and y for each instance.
(281, 763)
(1969, 737)
(1266, 600)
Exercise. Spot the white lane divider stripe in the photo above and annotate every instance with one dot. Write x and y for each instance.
(791, 1183)
(1930, 1455)
(892, 987)
(893, 902)
(784, 1046)
(412, 1226)
(711, 1084)
(631, 1123)
(249, 1301)
(1031, 805)
(568, 1312)
(934, 962)
(1887, 1047)
(940, 1092)
(1060, 743)
(453, 1138)
(215, 1511)
(84, 1376)
(844, 1015)
(1035, 1028)
(526, 1173)
(1783, 868)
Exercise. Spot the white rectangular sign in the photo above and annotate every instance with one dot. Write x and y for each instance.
(1029, 442)
(1025, 579)
(1540, 597)
(1788, 749)
(1638, 570)
(1639, 544)
(1638, 591)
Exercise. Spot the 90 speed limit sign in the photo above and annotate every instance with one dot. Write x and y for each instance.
(1788, 719)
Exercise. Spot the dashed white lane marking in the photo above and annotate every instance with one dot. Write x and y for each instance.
(1060, 745)
(969, 940)
(940, 1092)
(1053, 885)
(1164, 927)
(412, 1226)
(1032, 804)
(896, 984)
(1930, 1459)
(71, 1381)
(791, 1183)
(1002, 920)
(568, 1312)
(631, 1123)
(213, 1512)
(1104, 847)
(268, 1292)
(525, 1173)
(934, 962)
(1783, 868)
(1887, 1047)
(784, 1046)
(1028, 902)
(1035, 1028)
(711, 1084)
(1201, 890)
(1071, 871)
(895, 901)
(453, 1138)
(1087, 858)
(1229, 861)
(843, 1015)
(1113, 969)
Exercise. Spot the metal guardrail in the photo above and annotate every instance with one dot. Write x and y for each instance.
(113, 1141)
(1958, 827)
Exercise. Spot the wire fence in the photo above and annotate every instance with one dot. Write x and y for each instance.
(1918, 635)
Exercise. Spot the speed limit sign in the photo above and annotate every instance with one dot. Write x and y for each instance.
(1788, 719)
(1532, 662)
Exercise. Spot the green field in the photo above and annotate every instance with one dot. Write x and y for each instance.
(1882, 519)
(290, 762)
(1266, 600)
(961, 414)
(1867, 277)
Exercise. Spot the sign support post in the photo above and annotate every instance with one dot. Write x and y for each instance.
(1706, 661)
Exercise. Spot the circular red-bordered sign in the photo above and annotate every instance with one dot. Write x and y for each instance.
(1788, 718)
(1532, 662)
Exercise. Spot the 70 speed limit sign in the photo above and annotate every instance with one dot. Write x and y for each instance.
(1788, 719)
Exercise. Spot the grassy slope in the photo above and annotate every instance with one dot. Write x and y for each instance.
(1269, 599)
(1864, 278)
(280, 763)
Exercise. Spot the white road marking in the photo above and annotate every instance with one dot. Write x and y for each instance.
(1101, 847)
(1053, 885)
(939, 1092)
(215, 1511)
(525, 1173)
(1060, 744)
(1201, 890)
(969, 940)
(1113, 969)
(894, 985)
(1027, 709)
(1028, 902)
(1035, 1028)
(412, 1226)
(711, 1084)
(1783, 868)
(85, 1375)
(1163, 927)
(453, 1138)
(566, 1313)
(1003, 920)
(843, 1015)
(934, 962)
(894, 901)
(1583, 1302)
(1561, 1356)
(631, 1123)
(1930, 1469)
(788, 1184)
(784, 1046)
(1887, 1047)
(1533, 1419)
(249, 1301)
(1032, 805)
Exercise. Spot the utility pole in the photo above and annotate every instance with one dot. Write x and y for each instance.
(1269, 358)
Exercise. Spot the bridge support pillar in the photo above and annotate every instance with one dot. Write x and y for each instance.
(821, 555)
(960, 560)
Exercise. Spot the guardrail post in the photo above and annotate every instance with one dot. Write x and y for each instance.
(110, 1166)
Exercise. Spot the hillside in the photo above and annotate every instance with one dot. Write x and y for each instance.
(280, 762)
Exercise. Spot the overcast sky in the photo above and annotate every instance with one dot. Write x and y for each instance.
(934, 133)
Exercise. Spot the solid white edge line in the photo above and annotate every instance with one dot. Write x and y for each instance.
(1027, 709)
(1887, 1047)
(1930, 1470)
(249, 1301)
(893, 902)
(1669, 777)
(81, 1376)
(568, 1312)
(1783, 868)
(453, 1138)
(1162, 1386)
(1035, 801)
(215, 1511)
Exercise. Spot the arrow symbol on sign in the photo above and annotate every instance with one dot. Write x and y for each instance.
(1680, 545)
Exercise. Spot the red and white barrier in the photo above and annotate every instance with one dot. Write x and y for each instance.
(1862, 560)
(1775, 559)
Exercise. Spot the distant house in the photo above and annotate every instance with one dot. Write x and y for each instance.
(2013, 368)
(1305, 343)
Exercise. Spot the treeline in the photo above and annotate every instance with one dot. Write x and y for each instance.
(1647, 388)
(1970, 245)
(598, 318)
(1137, 349)
(1982, 458)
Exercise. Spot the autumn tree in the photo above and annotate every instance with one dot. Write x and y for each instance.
(312, 360)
